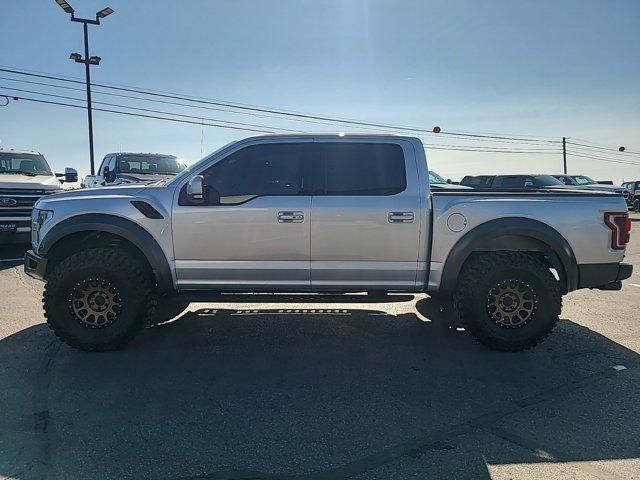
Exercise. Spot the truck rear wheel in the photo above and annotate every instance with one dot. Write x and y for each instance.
(509, 301)
(98, 299)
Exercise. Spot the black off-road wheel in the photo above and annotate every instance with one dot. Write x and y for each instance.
(98, 299)
(509, 301)
(636, 204)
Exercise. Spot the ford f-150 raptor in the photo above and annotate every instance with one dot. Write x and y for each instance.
(321, 213)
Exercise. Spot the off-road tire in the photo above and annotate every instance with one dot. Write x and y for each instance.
(168, 307)
(131, 279)
(636, 204)
(475, 297)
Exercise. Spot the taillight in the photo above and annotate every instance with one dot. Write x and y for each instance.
(620, 225)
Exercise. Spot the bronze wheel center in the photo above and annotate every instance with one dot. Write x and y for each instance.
(511, 303)
(95, 303)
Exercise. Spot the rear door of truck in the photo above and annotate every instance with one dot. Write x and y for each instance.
(365, 215)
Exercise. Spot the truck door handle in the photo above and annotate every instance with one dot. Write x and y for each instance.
(290, 217)
(401, 217)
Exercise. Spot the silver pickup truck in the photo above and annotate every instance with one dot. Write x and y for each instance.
(321, 213)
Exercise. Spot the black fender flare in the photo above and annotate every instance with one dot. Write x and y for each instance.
(127, 229)
(515, 234)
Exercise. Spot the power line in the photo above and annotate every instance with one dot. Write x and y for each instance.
(606, 149)
(603, 159)
(612, 154)
(139, 115)
(431, 147)
(483, 147)
(65, 97)
(593, 144)
(167, 102)
(226, 104)
(600, 155)
(201, 122)
(471, 149)
(307, 116)
(186, 116)
(257, 111)
(161, 112)
(241, 113)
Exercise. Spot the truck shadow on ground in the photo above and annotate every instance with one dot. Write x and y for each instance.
(326, 393)
(11, 255)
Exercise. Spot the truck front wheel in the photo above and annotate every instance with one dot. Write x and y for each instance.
(98, 299)
(509, 301)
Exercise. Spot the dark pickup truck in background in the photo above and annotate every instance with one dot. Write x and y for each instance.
(512, 181)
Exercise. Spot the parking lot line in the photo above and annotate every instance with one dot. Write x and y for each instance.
(633, 284)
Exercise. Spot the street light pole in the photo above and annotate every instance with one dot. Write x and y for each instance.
(88, 81)
(564, 152)
(88, 61)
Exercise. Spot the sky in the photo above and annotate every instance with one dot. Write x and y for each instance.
(542, 68)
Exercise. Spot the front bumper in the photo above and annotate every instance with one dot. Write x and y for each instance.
(34, 265)
(15, 237)
(603, 276)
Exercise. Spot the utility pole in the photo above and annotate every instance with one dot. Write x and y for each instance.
(564, 153)
(88, 61)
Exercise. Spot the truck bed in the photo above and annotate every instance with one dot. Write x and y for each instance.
(577, 215)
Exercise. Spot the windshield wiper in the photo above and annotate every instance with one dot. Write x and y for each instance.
(162, 181)
(21, 172)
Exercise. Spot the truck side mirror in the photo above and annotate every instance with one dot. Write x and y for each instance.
(195, 190)
(70, 175)
(109, 175)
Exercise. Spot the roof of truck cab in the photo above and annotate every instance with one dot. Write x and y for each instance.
(512, 175)
(20, 152)
(142, 154)
(330, 135)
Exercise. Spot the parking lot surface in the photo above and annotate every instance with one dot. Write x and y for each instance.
(257, 387)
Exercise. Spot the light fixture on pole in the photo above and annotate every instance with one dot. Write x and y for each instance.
(87, 60)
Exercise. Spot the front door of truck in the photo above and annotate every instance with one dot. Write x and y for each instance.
(257, 235)
(366, 211)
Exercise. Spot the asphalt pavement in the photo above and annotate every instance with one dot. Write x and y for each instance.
(299, 387)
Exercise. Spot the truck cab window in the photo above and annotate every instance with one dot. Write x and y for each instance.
(112, 163)
(517, 181)
(259, 170)
(566, 181)
(361, 169)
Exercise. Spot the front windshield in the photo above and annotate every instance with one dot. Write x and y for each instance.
(434, 178)
(582, 180)
(150, 164)
(25, 163)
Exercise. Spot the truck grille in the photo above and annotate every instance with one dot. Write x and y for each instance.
(21, 192)
(16, 206)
